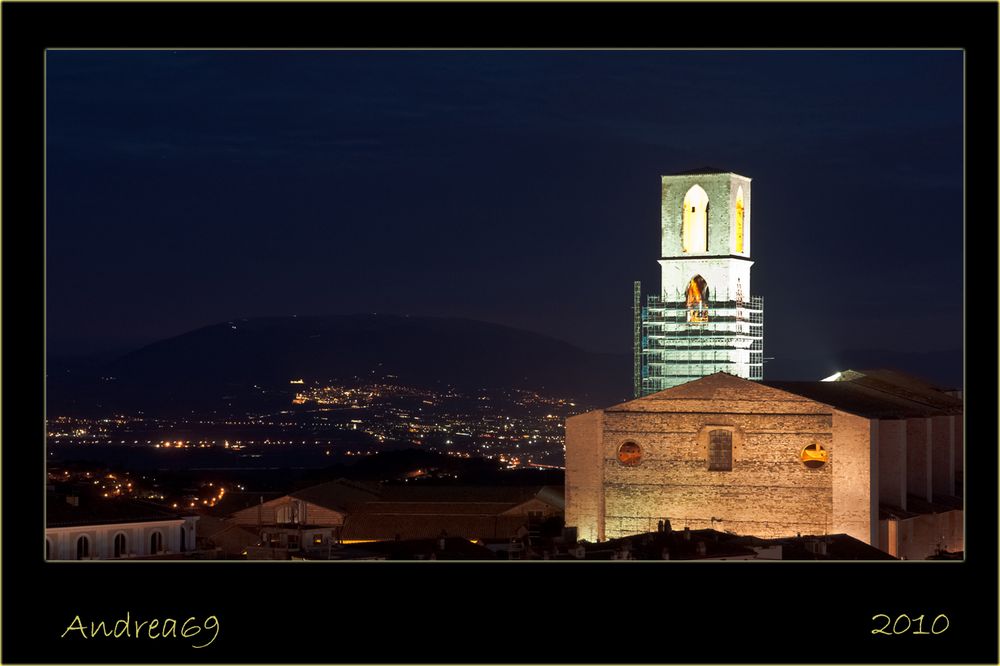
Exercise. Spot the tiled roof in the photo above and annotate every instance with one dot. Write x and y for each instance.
(409, 492)
(905, 386)
(387, 526)
(59, 513)
(337, 494)
(862, 399)
(432, 508)
(232, 502)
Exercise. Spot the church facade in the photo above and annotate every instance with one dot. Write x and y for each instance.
(704, 320)
(873, 455)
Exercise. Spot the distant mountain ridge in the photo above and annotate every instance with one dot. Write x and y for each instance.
(247, 363)
(233, 361)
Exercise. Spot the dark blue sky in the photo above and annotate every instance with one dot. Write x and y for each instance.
(186, 188)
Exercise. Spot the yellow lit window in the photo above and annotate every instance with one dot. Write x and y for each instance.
(629, 454)
(814, 456)
(739, 220)
(694, 226)
(697, 299)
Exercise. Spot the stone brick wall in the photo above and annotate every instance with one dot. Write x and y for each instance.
(768, 492)
(721, 275)
(943, 455)
(892, 462)
(855, 487)
(584, 493)
(721, 190)
(919, 537)
(959, 443)
(918, 458)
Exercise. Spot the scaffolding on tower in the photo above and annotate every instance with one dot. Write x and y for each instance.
(677, 341)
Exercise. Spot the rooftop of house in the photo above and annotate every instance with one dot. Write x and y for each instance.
(412, 525)
(59, 512)
(338, 494)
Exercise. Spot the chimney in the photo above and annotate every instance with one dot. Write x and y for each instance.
(659, 526)
(666, 525)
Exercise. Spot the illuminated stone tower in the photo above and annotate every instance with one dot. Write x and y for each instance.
(704, 320)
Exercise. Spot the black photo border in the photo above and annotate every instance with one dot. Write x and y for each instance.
(475, 613)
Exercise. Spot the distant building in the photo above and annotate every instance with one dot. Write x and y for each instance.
(314, 520)
(876, 455)
(704, 320)
(228, 540)
(82, 529)
(312, 517)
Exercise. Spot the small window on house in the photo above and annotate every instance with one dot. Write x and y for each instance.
(720, 451)
(83, 548)
(155, 543)
(120, 545)
(317, 539)
(629, 454)
(814, 456)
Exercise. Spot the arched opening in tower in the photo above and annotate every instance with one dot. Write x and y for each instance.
(697, 299)
(739, 220)
(694, 226)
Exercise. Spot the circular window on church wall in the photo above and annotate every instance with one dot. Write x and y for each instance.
(814, 456)
(629, 454)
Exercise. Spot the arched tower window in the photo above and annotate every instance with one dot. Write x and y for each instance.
(120, 545)
(697, 299)
(739, 220)
(694, 221)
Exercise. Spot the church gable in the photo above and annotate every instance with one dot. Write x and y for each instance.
(720, 391)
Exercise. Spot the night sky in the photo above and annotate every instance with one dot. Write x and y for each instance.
(187, 188)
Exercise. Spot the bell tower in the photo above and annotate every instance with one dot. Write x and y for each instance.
(704, 319)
